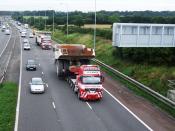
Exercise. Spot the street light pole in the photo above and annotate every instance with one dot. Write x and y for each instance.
(34, 18)
(95, 26)
(67, 23)
(45, 19)
(53, 20)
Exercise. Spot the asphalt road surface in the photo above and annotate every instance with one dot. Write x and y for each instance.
(59, 109)
(3, 40)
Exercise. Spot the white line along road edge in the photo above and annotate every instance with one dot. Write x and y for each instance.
(149, 128)
(19, 91)
(89, 105)
(53, 104)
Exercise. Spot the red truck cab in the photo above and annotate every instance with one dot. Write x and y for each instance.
(89, 82)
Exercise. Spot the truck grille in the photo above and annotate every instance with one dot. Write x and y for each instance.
(91, 89)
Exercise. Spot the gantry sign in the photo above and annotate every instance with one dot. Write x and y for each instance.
(143, 35)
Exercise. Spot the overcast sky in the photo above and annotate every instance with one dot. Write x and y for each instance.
(88, 5)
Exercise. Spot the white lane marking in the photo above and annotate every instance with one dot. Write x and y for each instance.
(42, 73)
(89, 105)
(47, 85)
(39, 64)
(53, 104)
(149, 128)
(19, 91)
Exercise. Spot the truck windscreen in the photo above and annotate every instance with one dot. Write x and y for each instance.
(91, 80)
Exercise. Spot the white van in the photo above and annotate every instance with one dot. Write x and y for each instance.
(23, 34)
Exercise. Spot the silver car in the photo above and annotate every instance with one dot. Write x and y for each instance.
(37, 85)
(26, 46)
(7, 32)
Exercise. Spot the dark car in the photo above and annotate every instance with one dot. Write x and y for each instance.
(31, 65)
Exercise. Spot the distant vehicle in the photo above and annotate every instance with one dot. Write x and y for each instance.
(23, 34)
(31, 35)
(26, 26)
(23, 30)
(26, 46)
(31, 64)
(37, 85)
(3, 28)
(7, 32)
(43, 39)
(25, 41)
(7, 26)
(18, 23)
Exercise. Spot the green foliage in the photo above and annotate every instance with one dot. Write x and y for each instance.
(107, 34)
(8, 97)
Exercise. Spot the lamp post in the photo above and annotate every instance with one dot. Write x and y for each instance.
(67, 18)
(45, 19)
(53, 21)
(34, 18)
(95, 22)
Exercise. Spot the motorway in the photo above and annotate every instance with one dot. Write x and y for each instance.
(59, 109)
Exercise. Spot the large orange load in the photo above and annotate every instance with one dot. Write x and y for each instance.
(73, 52)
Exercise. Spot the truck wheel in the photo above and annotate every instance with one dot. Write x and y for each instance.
(59, 68)
(74, 89)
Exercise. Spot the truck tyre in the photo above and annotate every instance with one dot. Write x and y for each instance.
(59, 68)
(66, 67)
(74, 89)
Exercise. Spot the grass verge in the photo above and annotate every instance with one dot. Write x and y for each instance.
(8, 98)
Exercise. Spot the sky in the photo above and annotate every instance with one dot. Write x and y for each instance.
(88, 5)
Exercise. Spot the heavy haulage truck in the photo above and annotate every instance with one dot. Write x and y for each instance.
(72, 63)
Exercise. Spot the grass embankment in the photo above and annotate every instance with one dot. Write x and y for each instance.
(8, 98)
(153, 76)
(98, 26)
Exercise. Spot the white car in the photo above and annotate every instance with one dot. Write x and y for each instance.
(3, 28)
(23, 34)
(37, 85)
(26, 46)
(25, 41)
(7, 32)
(31, 35)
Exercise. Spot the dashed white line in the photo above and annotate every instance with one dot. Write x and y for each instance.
(39, 64)
(47, 85)
(89, 105)
(53, 104)
(42, 73)
(149, 128)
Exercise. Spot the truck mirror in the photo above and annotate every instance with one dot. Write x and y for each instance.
(81, 78)
(102, 79)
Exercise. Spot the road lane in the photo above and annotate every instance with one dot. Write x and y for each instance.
(36, 112)
(3, 40)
